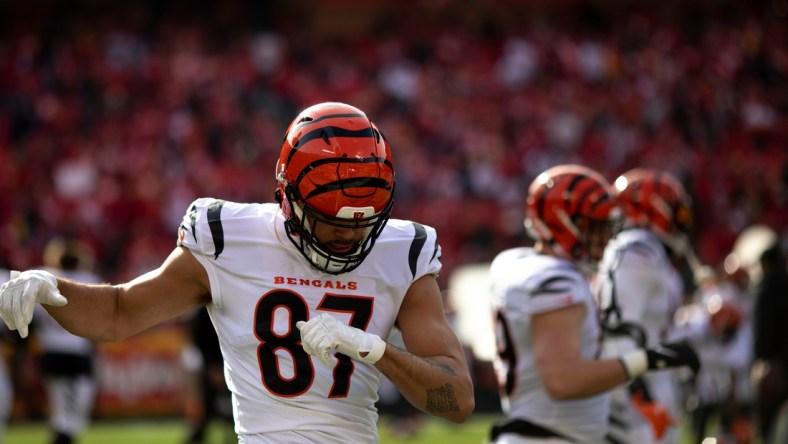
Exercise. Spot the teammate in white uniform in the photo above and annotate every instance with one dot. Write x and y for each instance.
(639, 293)
(66, 359)
(553, 386)
(268, 272)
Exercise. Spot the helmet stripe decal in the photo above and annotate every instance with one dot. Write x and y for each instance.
(584, 197)
(541, 203)
(334, 131)
(306, 122)
(320, 162)
(356, 182)
(574, 183)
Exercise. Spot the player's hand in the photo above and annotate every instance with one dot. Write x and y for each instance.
(18, 297)
(324, 333)
(676, 354)
(664, 356)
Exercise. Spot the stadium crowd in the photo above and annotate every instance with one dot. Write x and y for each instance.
(114, 117)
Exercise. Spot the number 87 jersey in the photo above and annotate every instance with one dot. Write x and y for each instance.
(261, 286)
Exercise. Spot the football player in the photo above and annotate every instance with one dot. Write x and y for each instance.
(639, 291)
(302, 293)
(552, 383)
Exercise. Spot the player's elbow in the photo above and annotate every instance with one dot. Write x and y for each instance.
(466, 403)
(465, 407)
(451, 402)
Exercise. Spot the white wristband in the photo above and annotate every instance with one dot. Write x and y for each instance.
(376, 350)
(635, 363)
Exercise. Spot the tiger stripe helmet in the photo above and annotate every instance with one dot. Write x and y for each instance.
(571, 209)
(335, 167)
(654, 200)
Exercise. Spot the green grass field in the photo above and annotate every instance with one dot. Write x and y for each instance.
(174, 432)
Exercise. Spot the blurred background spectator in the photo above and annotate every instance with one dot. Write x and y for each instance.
(65, 361)
(771, 348)
(207, 398)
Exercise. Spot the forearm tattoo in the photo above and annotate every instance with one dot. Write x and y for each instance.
(441, 400)
(444, 368)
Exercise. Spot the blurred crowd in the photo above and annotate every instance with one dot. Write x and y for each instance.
(113, 118)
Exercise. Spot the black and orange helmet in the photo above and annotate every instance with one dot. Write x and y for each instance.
(571, 208)
(335, 167)
(655, 200)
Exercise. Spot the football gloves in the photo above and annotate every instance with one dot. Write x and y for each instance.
(324, 333)
(664, 356)
(19, 296)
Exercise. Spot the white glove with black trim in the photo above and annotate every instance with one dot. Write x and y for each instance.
(676, 354)
(322, 334)
(19, 296)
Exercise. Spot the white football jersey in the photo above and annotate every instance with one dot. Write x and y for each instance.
(648, 288)
(648, 291)
(525, 283)
(261, 286)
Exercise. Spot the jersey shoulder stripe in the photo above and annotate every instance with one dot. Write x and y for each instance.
(553, 285)
(419, 239)
(191, 226)
(215, 224)
(415, 244)
(212, 226)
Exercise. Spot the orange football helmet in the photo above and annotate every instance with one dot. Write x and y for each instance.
(571, 208)
(655, 200)
(335, 167)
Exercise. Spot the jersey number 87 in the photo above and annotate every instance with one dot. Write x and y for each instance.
(360, 309)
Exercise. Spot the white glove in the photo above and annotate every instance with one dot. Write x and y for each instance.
(18, 297)
(324, 333)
